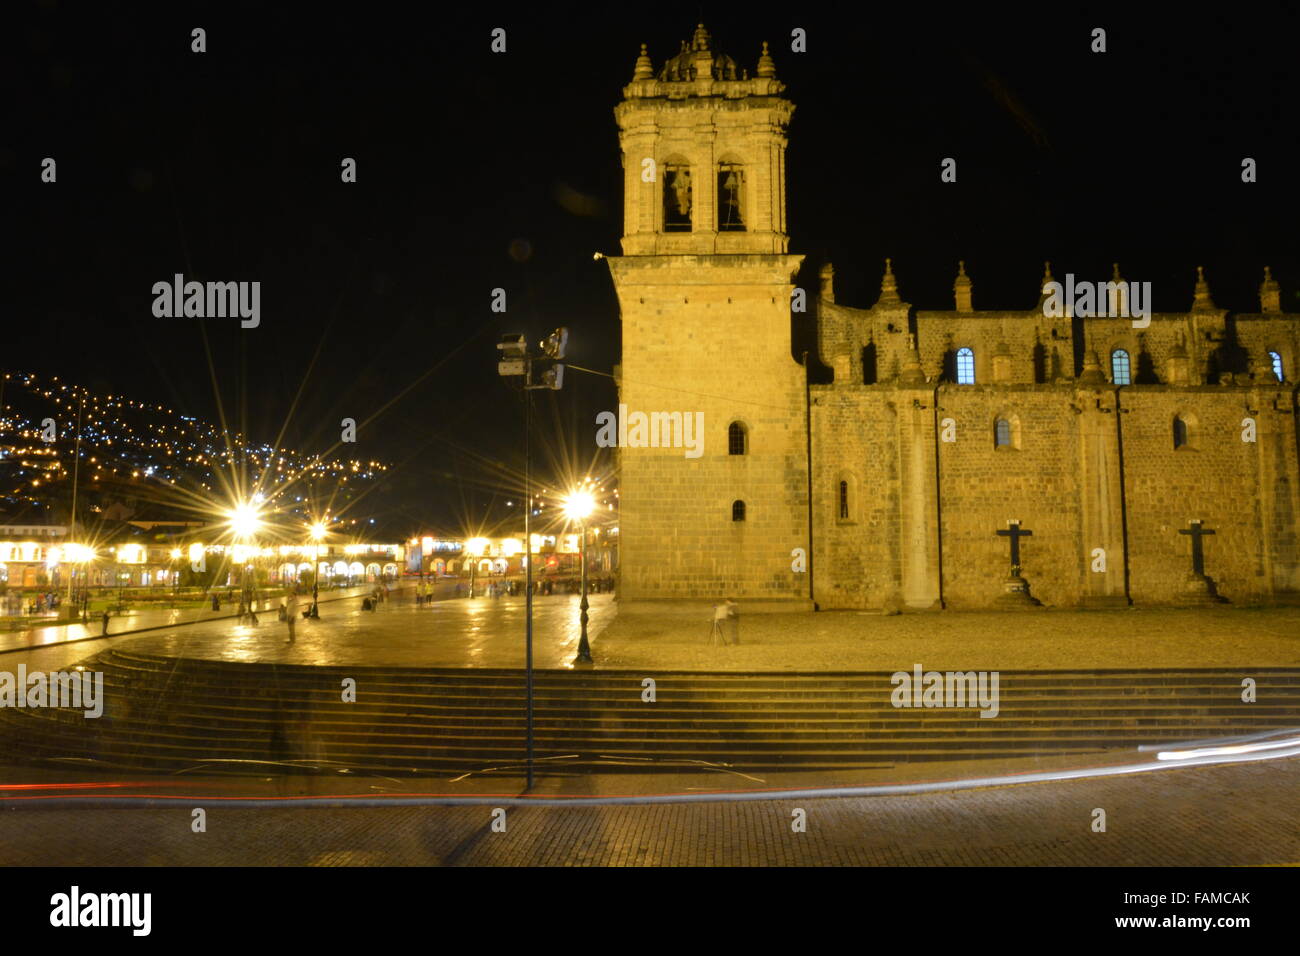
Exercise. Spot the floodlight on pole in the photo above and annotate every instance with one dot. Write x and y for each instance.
(517, 361)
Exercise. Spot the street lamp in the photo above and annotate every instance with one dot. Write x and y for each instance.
(578, 507)
(517, 362)
(318, 532)
(475, 547)
(176, 574)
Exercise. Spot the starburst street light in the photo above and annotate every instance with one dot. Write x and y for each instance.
(245, 520)
(319, 530)
(578, 506)
(475, 548)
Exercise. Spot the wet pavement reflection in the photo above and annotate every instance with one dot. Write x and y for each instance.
(463, 632)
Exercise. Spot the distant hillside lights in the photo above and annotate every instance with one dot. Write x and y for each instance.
(209, 300)
(1113, 299)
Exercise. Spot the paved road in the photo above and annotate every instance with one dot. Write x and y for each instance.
(1237, 815)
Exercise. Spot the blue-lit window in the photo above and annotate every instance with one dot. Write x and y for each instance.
(965, 367)
(1276, 359)
(1119, 368)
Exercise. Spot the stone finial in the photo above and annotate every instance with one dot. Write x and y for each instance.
(828, 282)
(961, 288)
(1270, 293)
(888, 286)
(1201, 301)
(1116, 299)
(911, 373)
(1092, 373)
(701, 39)
(644, 70)
(766, 65)
(1042, 285)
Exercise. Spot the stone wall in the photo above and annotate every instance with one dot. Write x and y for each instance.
(711, 334)
(924, 512)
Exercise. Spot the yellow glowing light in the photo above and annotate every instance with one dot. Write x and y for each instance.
(245, 520)
(476, 546)
(176, 553)
(130, 554)
(196, 553)
(78, 553)
(579, 505)
(318, 531)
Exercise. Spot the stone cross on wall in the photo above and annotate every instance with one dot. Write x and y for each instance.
(1198, 554)
(1015, 533)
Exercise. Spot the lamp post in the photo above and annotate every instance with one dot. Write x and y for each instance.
(578, 507)
(517, 362)
(318, 531)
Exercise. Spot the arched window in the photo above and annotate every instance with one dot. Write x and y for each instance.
(737, 511)
(965, 367)
(844, 501)
(1276, 359)
(1180, 432)
(1002, 433)
(737, 439)
(731, 197)
(677, 197)
(1120, 373)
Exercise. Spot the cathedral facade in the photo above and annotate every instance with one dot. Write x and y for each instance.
(965, 458)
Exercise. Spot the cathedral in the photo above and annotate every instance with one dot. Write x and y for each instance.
(966, 458)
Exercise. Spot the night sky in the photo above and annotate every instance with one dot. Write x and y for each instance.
(479, 170)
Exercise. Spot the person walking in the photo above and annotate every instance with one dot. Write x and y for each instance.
(726, 624)
(716, 633)
(733, 620)
(291, 612)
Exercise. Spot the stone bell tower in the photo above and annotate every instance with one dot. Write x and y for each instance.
(704, 288)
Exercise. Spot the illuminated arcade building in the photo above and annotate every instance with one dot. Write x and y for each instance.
(556, 554)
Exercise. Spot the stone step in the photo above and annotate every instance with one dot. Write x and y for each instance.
(165, 714)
